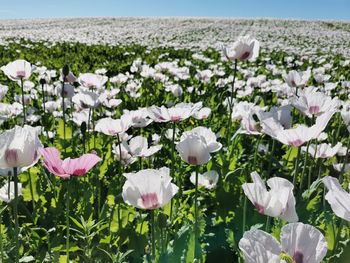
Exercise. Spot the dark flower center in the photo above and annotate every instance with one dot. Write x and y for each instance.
(150, 200)
(314, 109)
(245, 55)
(20, 74)
(259, 207)
(296, 143)
(79, 172)
(192, 160)
(298, 257)
(11, 157)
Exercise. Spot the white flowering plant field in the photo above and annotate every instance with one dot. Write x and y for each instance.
(230, 148)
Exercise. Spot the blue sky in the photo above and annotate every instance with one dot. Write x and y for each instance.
(299, 9)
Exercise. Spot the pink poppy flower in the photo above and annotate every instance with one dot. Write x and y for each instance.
(67, 167)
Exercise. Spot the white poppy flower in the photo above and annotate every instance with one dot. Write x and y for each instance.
(112, 103)
(67, 93)
(138, 146)
(245, 48)
(113, 127)
(3, 91)
(149, 189)
(18, 69)
(204, 75)
(339, 167)
(175, 89)
(90, 80)
(277, 202)
(282, 115)
(207, 180)
(202, 114)
(297, 79)
(315, 103)
(169, 134)
(337, 197)
(139, 118)
(301, 134)
(260, 247)
(7, 194)
(323, 150)
(193, 149)
(19, 147)
(122, 153)
(81, 116)
(89, 99)
(301, 242)
(244, 109)
(249, 126)
(345, 114)
(177, 113)
(207, 134)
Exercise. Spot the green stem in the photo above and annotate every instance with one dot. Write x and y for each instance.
(267, 226)
(153, 235)
(32, 192)
(64, 116)
(1, 245)
(67, 219)
(93, 128)
(311, 166)
(256, 153)
(231, 103)
(244, 221)
(296, 167)
(196, 229)
(43, 97)
(23, 105)
(15, 209)
(305, 164)
(88, 129)
(337, 239)
(172, 172)
(271, 158)
(140, 163)
(110, 223)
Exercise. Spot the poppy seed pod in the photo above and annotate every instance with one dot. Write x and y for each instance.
(65, 70)
(42, 81)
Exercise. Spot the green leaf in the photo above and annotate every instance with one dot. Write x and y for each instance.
(60, 130)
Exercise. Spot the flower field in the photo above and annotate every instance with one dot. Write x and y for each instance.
(174, 140)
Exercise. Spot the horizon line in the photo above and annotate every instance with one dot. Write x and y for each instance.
(182, 17)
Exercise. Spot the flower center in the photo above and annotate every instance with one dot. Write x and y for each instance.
(298, 257)
(79, 172)
(11, 157)
(296, 142)
(192, 160)
(20, 74)
(245, 55)
(314, 109)
(150, 201)
(259, 207)
(175, 118)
